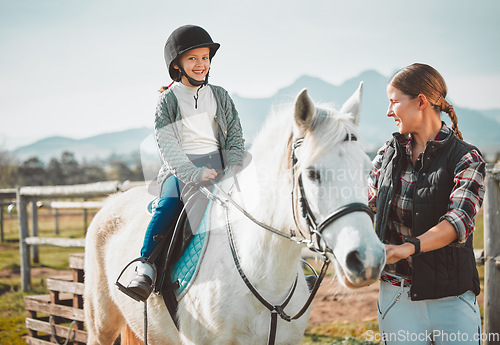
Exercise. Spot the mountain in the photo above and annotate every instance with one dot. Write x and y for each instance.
(481, 128)
(95, 147)
(493, 114)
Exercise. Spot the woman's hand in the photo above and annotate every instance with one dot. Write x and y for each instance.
(208, 174)
(394, 253)
(436, 237)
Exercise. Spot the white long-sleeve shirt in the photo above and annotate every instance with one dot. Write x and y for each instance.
(198, 122)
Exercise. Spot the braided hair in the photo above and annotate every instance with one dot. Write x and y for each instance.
(423, 79)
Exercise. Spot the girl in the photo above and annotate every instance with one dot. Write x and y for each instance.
(427, 185)
(198, 133)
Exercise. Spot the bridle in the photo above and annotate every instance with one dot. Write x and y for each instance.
(314, 229)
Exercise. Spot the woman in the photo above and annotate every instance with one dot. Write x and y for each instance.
(427, 186)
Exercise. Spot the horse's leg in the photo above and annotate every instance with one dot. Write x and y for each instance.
(102, 317)
(104, 321)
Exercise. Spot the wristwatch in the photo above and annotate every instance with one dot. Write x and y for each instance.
(416, 243)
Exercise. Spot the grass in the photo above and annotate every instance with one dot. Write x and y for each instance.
(72, 224)
(12, 329)
(12, 313)
(351, 333)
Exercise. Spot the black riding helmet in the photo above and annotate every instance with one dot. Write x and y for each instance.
(181, 40)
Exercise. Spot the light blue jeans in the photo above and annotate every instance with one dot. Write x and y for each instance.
(448, 320)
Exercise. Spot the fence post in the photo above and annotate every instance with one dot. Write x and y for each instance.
(56, 219)
(84, 218)
(1, 222)
(24, 249)
(492, 254)
(34, 230)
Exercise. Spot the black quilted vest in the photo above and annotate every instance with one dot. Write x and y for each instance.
(449, 271)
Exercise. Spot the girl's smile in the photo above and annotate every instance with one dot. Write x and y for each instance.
(196, 64)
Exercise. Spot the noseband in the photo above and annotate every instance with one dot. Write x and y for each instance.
(315, 228)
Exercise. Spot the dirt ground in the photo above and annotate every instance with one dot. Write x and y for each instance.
(332, 304)
(335, 303)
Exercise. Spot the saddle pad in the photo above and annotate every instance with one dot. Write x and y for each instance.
(151, 207)
(186, 269)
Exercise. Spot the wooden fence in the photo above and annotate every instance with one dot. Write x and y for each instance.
(492, 256)
(26, 195)
(48, 315)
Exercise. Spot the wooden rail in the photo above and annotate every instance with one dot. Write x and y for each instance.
(55, 241)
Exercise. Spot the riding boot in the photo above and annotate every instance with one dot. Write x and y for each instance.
(142, 284)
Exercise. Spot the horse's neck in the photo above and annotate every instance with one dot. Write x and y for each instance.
(268, 259)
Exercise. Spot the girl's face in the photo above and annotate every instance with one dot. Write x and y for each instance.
(196, 63)
(404, 110)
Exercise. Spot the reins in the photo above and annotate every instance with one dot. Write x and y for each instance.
(274, 309)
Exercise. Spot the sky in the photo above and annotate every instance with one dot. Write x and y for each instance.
(78, 68)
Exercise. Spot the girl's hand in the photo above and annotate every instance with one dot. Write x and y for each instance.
(394, 253)
(208, 174)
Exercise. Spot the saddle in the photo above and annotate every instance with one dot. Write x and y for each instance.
(173, 242)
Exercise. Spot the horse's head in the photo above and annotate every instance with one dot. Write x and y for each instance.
(330, 172)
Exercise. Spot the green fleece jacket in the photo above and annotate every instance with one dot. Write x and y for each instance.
(168, 133)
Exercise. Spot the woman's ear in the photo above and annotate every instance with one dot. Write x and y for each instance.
(422, 101)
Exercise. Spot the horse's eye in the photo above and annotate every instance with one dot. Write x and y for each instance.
(313, 175)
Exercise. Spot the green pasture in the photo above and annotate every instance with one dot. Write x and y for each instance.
(12, 313)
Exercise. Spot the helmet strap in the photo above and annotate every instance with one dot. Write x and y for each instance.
(193, 81)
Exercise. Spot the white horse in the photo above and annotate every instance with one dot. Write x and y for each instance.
(328, 171)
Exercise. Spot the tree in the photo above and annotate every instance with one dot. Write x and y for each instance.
(32, 172)
(93, 173)
(55, 174)
(8, 170)
(121, 172)
(70, 168)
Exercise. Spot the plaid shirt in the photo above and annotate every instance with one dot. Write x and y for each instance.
(466, 197)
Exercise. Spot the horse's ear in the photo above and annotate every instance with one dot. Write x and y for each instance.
(304, 111)
(353, 104)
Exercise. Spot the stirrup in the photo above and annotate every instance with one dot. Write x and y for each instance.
(125, 289)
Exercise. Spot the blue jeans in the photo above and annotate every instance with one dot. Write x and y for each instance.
(170, 204)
